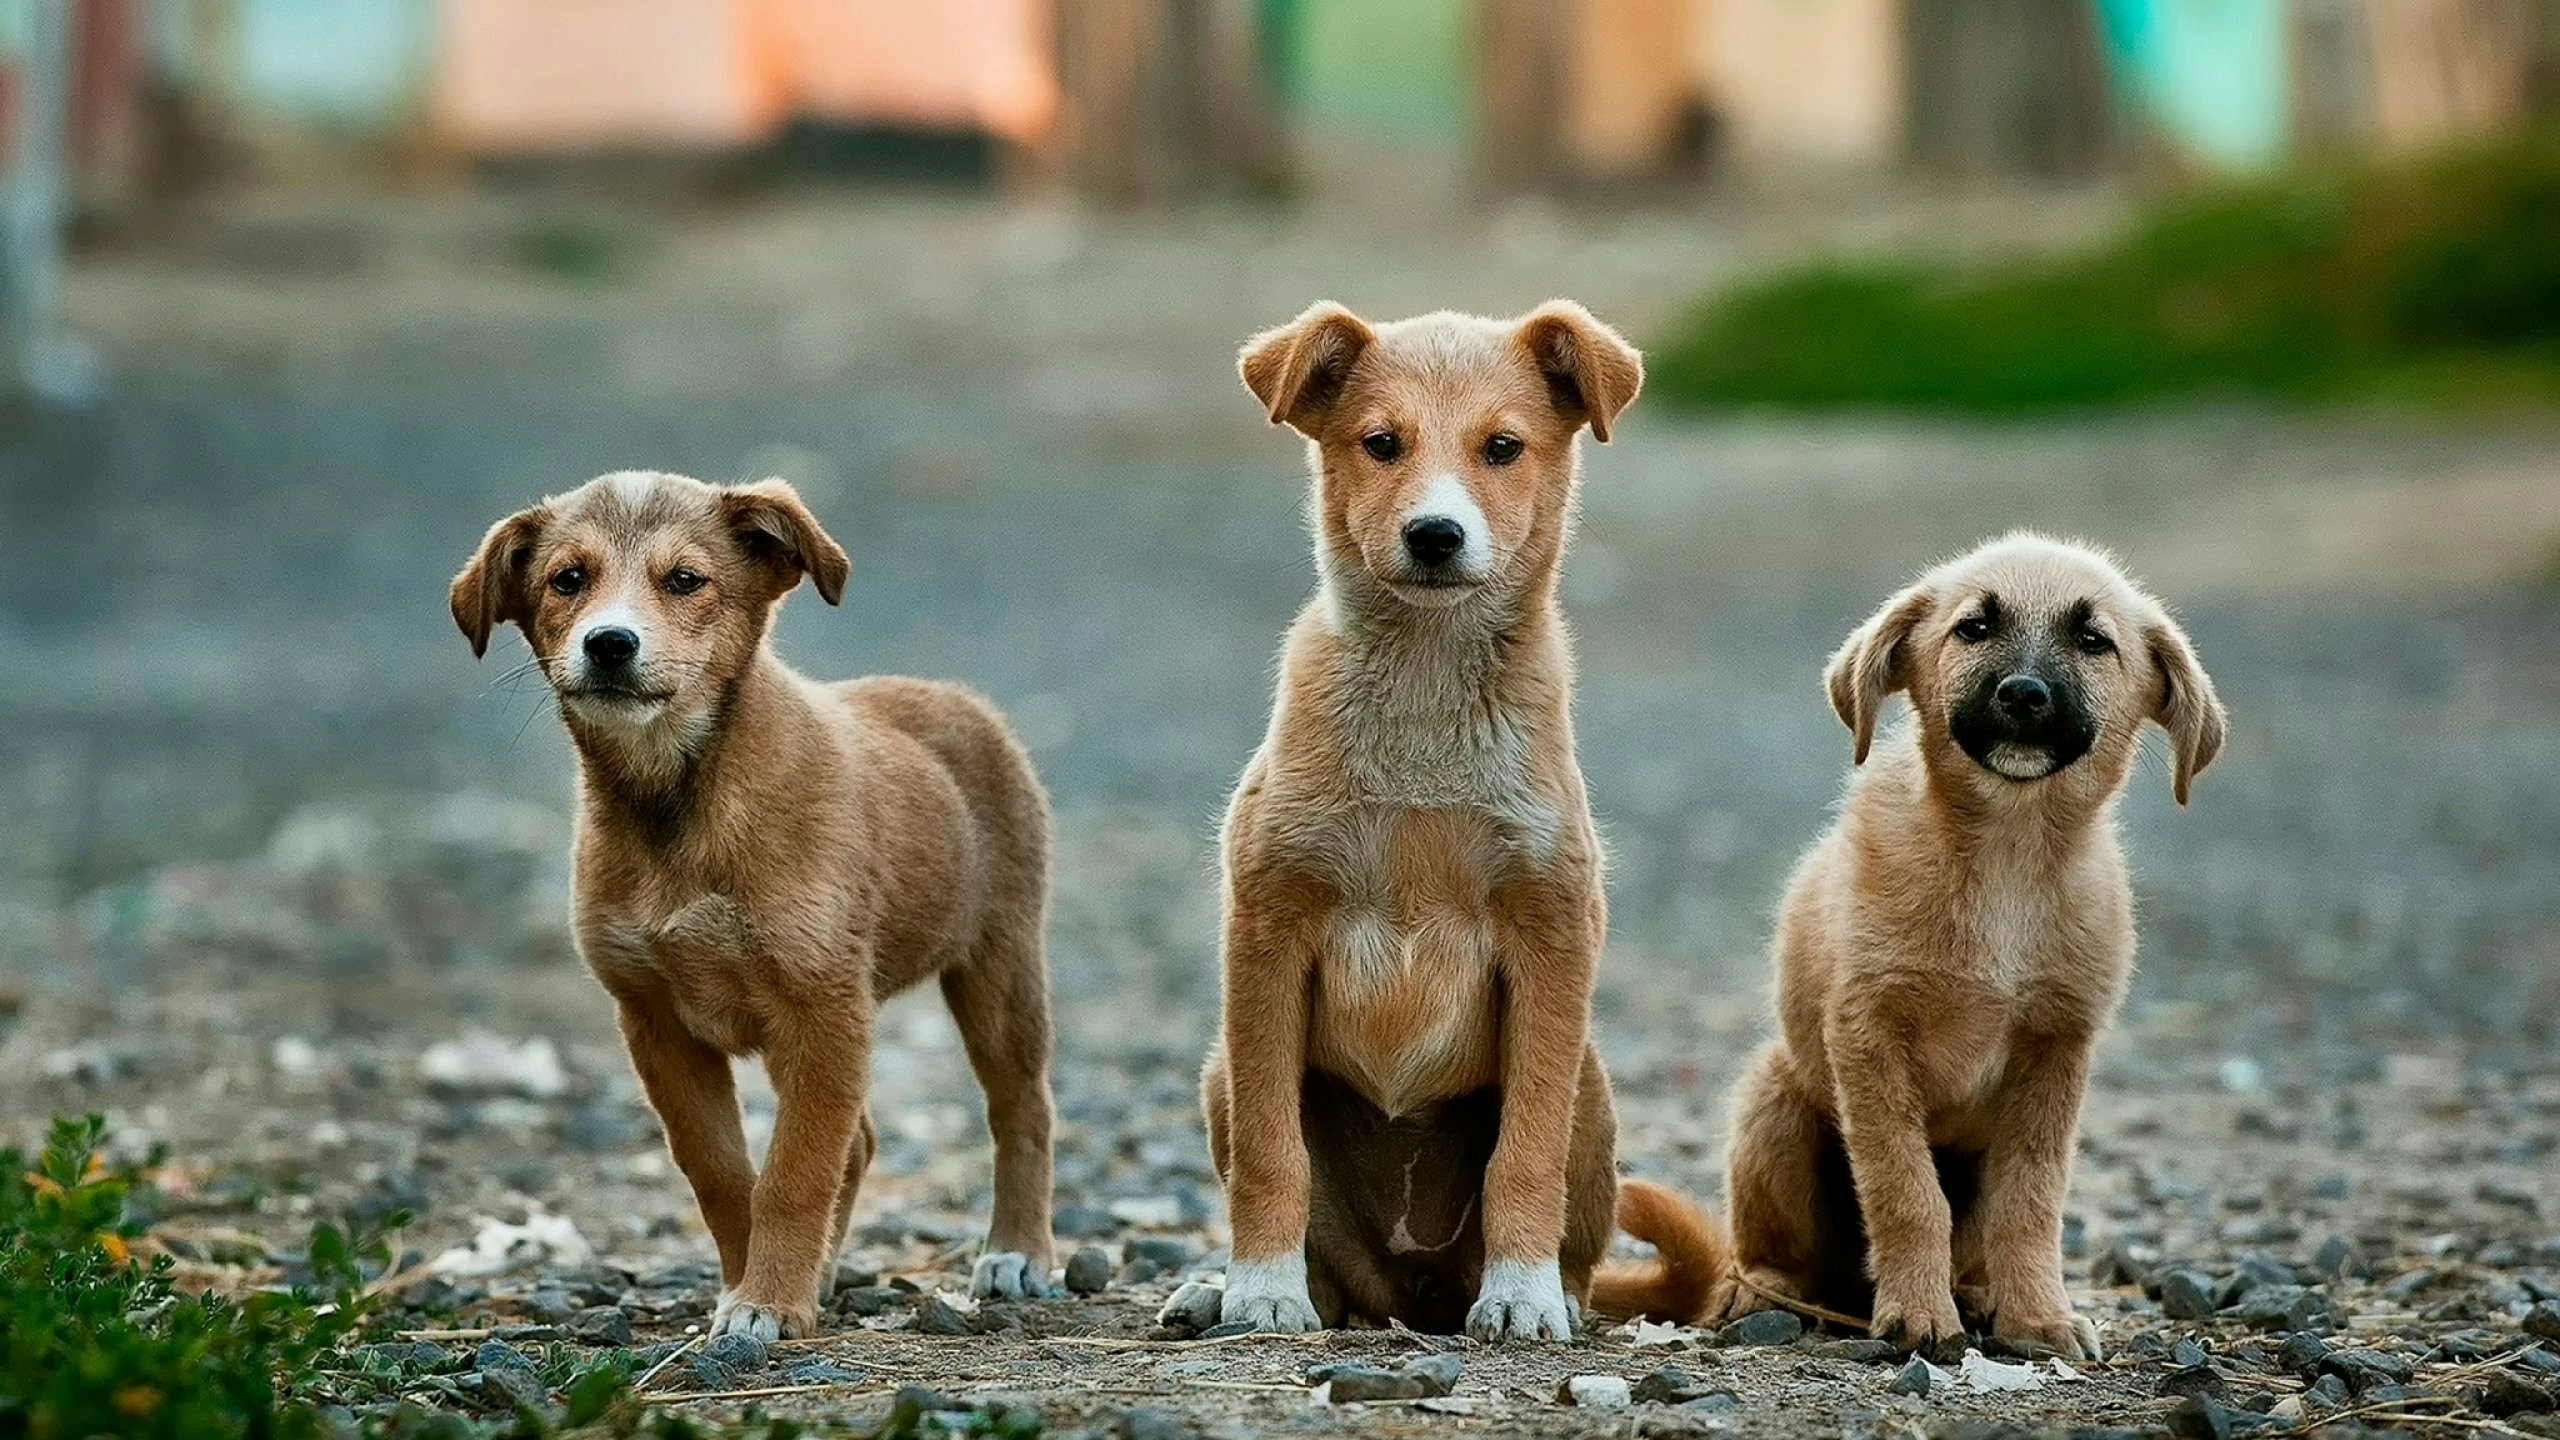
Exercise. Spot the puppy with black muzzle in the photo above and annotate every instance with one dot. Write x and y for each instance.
(760, 859)
(1946, 957)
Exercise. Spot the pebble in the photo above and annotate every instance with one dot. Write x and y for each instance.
(2363, 1369)
(1350, 1384)
(601, 1325)
(1227, 1330)
(521, 1388)
(823, 1372)
(2302, 1352)
(1089, 1271)
(2508, 1394)
(2193, 1380)
(1763, 1327)
(1440, 1371)
(2329, 1390)
(937, 1316)
(1597, 1392)
(1859, 1352)
(1194, 1307)
(1914, 1379)
(2543, 1320)
(1672, 1385)
(2186, 1295)
(499, 1355)
(2187, 1352)
(868, 1300)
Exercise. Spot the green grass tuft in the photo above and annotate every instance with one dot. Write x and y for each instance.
(2433, 283)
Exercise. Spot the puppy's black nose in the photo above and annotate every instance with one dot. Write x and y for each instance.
(2024, 697)
(1433, 539)
(611, 645)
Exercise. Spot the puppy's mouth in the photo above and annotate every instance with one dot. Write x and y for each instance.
(616, 702)
(2019, 754)
(1433, 591)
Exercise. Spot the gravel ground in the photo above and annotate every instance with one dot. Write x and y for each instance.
(284, 885)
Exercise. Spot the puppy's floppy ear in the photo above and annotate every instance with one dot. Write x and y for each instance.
(1588, 365)
(1296, 370)
(1870, 665)
(777, 529)
(490, 591)
(2187, 707)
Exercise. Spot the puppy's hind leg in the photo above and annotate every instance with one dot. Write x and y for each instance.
(1773, 1193)
(866, 1143)
(1000, 999)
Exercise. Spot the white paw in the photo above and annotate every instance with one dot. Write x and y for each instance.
(1269, 1295)
(738, 1317)
(1008, 1275)
(1520, 1301)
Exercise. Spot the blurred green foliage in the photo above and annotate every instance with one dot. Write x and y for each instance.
(2434, 282)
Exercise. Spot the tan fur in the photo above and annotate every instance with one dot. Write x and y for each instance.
(760, 859)
(1946, 956)
(1405, 1092)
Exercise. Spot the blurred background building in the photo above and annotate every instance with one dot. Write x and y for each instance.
(1155, 98)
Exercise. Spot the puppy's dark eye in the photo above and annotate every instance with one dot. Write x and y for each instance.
(569, 581)
(681, 581)
(1501, 449)
(1975, 627)
(1382, 445)
(2095, 642)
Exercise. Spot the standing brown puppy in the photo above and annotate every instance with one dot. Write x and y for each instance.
(761, 859)
(1948, 953)
(1405, 1104)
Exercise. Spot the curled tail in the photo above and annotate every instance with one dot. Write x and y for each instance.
(1691, 1255)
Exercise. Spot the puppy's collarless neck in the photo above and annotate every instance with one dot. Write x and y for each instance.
(659, 797)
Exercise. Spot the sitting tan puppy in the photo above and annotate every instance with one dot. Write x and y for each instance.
(1405, 1105)
(1946, 957)
(761, 859)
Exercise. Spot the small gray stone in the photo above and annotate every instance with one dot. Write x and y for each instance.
(868, 1300)
(2302, 1352)
(2186, 1295)
(1914, 1379)
(1669, 1385)
(1763, 1327)
(2508, 1394)
(2543, 1320)
(2330, 1391)
(737, 1351)
(1596, 1392)
(508, 1385)
(550, 1305)
(936, 1316)
(823, 1372)
(601, 1325)
(1195, 1307)
(2193, 1380)
(1439, 1373)
(2187, 1352)
(2364, 1369)
(1227, 1330)
(499, 1355)
(1089, 1271)
(1352, 1383)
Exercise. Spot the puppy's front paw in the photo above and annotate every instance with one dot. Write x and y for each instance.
(1520, 1301)
(1916, 1321)
(1009, 1275)
(763, 1321)
(1269, 1295)
(2067, 1334)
